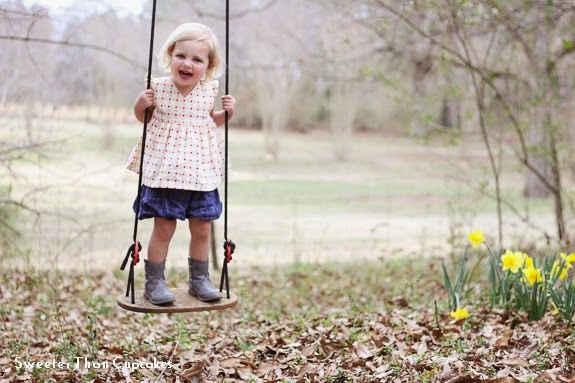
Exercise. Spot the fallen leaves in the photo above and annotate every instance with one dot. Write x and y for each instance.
(314, 331)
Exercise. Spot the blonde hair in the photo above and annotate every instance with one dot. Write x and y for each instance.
(196, 32)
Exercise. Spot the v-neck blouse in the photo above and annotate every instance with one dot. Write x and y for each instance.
(184, 149)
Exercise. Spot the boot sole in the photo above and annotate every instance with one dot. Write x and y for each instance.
(159, 302)
(190, 292)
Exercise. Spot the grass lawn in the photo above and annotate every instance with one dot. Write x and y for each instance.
(393, 196)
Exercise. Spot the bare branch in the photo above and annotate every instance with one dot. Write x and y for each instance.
(76, 45)
(522, 154)
(28, 53)
(236, 15)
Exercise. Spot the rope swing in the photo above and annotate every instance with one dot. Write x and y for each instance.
(134, 300)
(229, 246)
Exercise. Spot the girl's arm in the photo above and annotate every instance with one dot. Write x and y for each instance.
(144, 101)
(229, 105)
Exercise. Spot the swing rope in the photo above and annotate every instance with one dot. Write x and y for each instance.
(136, 247)
(229, 246)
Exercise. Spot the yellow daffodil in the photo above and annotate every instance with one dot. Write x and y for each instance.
(513, 261)
(556, 269)
(476, 237)
(569, 259)
(555, 309)
(459, 313)
(532, 275)
(528, 261)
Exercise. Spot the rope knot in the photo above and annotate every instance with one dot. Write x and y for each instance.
(133, 252)
(229, 247)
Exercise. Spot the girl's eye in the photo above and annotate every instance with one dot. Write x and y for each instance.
(198, 60)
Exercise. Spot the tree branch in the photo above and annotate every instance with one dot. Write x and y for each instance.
(75, 45)
(522, 155)
(233, 15)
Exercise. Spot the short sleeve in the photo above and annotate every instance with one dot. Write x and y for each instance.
(215, 87)
(154, 83)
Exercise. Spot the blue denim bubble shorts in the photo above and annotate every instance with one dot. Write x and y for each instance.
(178, 204)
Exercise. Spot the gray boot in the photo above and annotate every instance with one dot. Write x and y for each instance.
(157, 290)
(200, 284)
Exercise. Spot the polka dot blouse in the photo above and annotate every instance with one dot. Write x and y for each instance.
(184, 149)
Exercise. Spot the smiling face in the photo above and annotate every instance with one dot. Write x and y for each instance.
(189, 62)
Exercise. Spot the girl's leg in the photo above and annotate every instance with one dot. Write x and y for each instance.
(160, 240)
(157, 290)
(200, 231)
(200, 284)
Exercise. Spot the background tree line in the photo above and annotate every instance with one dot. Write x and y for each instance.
(498, 69)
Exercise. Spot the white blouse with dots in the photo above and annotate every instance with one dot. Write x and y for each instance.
(184, 149)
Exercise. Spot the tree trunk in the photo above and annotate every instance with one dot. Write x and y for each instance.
(343, 109)
(275, 93)
(544, 133)
(538, 136)
(534, 187)
(423, 67)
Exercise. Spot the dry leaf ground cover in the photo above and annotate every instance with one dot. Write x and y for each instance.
(379, 321)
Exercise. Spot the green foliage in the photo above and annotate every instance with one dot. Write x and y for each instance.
(564, 300)
(568, 44)
(532, 299)
(499, 285)
(457, 289)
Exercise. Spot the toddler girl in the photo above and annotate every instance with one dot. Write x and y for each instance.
(183, 158)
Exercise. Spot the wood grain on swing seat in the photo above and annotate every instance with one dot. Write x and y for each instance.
(184, 303)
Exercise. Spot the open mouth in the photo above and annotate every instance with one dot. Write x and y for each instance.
(186, 74)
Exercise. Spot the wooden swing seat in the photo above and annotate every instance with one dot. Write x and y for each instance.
(185, 303)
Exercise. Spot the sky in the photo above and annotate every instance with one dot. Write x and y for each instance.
(121, 6)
